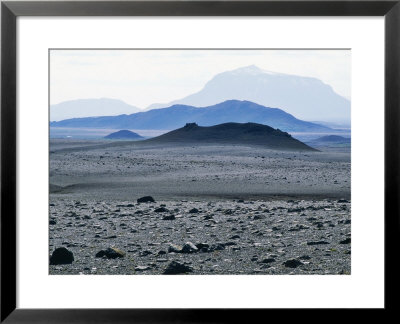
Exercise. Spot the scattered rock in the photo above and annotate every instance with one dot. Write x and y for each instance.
(174, 248)
(193, 211)
(168, 217)
(176, 267)
(110, 253)
(317, 243)
(343, 201)
(293, 263)
(268, 260)
(145, 253)
(161, 210)
(216, 247)
(142, 268)
(346, 241)
(61, 256)
(52, 221)
(146, 199)
(189, 247)
(203, 247)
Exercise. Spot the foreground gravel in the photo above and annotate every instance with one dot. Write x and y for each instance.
(202, 237)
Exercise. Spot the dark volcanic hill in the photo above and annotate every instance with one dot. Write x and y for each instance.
(178, 115)
(231, 133)
(124, 134)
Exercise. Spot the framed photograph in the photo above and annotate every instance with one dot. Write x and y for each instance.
(174, 160)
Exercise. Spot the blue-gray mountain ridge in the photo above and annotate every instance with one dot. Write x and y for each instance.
(177, 116)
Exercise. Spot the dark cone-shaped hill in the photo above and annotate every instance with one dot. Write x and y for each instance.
(231, 133)
(123, 135)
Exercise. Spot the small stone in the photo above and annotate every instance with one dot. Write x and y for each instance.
(317, 243)
(193, 211)
(142, 268)
(61, 256)
(203, 246)
(145, 253)
(110, 253)
(168, 217)
(234, 237)
(174, 248)
(346, 241)
(189, 247)
(293, 263)
(146, 199)
(268, 260)
(52, 221)
(161, 210)
(176, 267)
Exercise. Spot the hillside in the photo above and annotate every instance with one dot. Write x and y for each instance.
(231, 133)
(124, 135)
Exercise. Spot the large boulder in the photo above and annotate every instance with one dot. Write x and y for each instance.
(61, 256)
(146, 199)
(176, 267)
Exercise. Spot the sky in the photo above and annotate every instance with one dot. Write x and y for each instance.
(144, 77)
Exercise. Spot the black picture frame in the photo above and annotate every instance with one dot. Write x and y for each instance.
(10, 10)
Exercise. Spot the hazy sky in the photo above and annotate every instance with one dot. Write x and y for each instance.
(144, 77)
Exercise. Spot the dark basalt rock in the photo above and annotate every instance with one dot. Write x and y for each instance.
(168, 217)
(146, 199)
(317, 243)
(189, 247)
(293, 263)
(346, 241)
(174, 248)
(161, 210)
(176, 267)
(61, 256)
(145, 253)
(110, 253)
(268, 260)
(193, 211)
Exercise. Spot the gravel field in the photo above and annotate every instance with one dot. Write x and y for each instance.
(218, 209)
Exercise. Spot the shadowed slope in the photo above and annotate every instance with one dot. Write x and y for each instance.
(231, 133)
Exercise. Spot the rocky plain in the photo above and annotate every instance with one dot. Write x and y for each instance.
(129, 209)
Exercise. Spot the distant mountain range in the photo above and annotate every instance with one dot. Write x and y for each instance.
(231, 133)
(333, 139)
(124, 135)
(178, 115)
(304, 97)
(90, 107)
